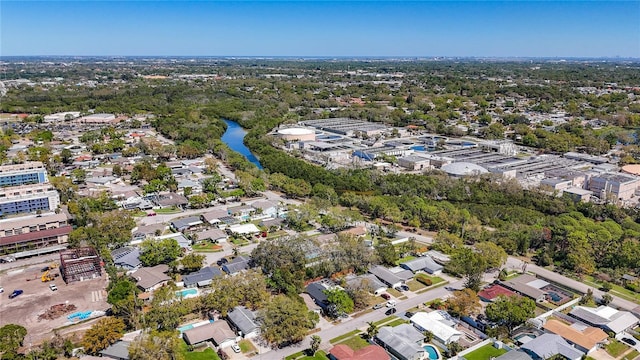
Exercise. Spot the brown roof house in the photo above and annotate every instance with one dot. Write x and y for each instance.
(219, 332)
(585, 339)
(371, 352)
(151, 278)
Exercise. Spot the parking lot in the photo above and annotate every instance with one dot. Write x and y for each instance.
(37, 298)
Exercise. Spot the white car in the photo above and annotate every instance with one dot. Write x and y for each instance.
(235, 348)
(391, 303)
(53, 287)
(1, 289)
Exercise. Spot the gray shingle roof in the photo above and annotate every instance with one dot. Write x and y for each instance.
(393, 338)
(185, 223)
(119, 350)
(243, 319)
(201, 277)
(514, 355)
(425, 263)
(385, 275)
(547, 345)
(126, 257)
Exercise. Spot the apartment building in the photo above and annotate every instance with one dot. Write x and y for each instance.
(28, 198)
(33, 231)
(32, 172)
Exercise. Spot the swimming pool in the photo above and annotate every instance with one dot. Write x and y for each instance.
(187, 293)
(432, 352)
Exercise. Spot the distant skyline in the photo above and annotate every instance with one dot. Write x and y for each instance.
(323, 29)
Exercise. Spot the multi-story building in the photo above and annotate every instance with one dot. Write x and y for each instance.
(28, 198)
(616, 185)
(33, 231)
(32, 172)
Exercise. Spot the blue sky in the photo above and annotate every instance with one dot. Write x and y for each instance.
(331, 28)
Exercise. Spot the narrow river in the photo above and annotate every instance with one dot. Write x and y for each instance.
(233, 137)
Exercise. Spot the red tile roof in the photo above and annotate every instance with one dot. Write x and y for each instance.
(493, 291)
(371, 352)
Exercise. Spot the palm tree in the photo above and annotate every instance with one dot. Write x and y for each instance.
(372, 330)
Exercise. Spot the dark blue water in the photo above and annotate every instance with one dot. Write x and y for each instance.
(233, 138)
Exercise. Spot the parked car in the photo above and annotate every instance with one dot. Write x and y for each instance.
(404, 287)
(629, 341)
(377, 306)
(151, 214)
(1, 289)
(391, 303)
(408, 314)
(386, 296)
(15, 293)
(53, 287)
(235, 348)
(391, 311)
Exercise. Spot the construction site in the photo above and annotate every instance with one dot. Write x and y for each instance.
(46, 302)
(80, 264)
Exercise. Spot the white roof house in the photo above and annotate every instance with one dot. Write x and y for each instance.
(437, 323)
(244, 229)
(605, 317)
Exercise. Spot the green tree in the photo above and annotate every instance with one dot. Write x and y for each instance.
(511, 311)
(102, 334)
(314, 344)
(469, 264)
(372, 330)
(386, 252)
(464, 302)
(156, 345)
(286, 321)
(11, 338)
(192, 262)
(494, 256)
(340, 300)
(154, 252)
(247, 289)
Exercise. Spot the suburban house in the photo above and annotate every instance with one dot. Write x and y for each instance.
(265, 208)
(605, 318)
(242, 212)
(213, 235)
(439, 323)
(585, 339)
(316, 291)
(218, 332)
(244, 322)
(186, 223)
(423, 263)
(546, 346)
(117, 351)
(244, 229)
(514, 355)
(403, 341)
(272, 224)
(126, 258)
(371, 352)
(358, 231)
(202, 277)
(527, 285)
(386, 276)
(369, 281)
(151, 278)
(439, 257)
(214, 216)
(492, 292)
(171, 200)
(179, 237)
(239, 263)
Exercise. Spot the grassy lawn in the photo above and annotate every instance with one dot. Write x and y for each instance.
(239, 242)
(394, 292)
(246, 346)
(397, 322)
(320, 355)
(406, 258)
(632, 355)
(484, 353)
(386, 320)
(615, 348)
(615, 289)
(169, 210)
(207, 247)
(207, 354)
(345, 336)
(415, 285)
(356, 342)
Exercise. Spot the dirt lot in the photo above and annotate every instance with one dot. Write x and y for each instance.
(86, 295)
